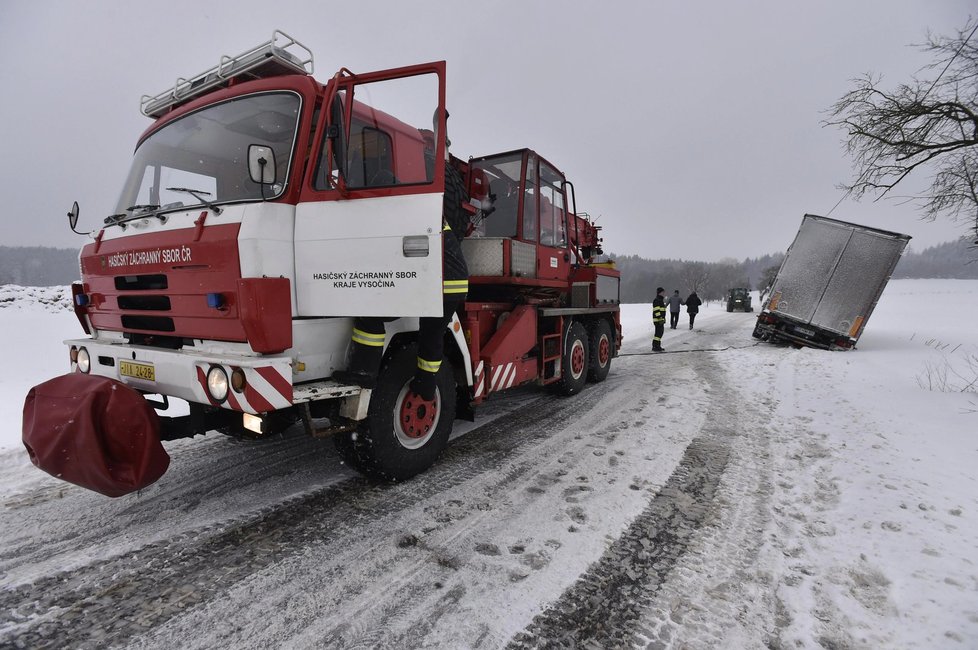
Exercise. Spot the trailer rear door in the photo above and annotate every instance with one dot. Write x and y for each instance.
(855, 286)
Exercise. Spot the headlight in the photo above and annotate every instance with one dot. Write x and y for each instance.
(217, 383)
(84, 361)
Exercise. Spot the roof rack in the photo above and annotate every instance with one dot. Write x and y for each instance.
(281, 55)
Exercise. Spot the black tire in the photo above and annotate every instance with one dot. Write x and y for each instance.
(402, 436)
(573, 362)
(601, 348)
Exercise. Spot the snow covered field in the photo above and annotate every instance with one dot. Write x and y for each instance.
(843, 511)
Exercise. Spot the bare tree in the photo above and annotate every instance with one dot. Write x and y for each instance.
(767, 280)
(931, 122)
(696, 275)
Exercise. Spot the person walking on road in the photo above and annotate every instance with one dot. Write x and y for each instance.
(675, 302)
(693, 303)
(658, 319)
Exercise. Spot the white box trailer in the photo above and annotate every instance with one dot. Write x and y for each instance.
(828, 285)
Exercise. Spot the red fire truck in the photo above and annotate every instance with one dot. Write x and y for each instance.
(263, 211)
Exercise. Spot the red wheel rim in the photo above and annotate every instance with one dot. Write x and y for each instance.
(417, 416)
(604, 351)
(577, 359)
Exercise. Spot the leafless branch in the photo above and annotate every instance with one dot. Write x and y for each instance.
(929, 123)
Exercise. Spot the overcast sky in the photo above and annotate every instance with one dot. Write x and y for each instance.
(691, 128)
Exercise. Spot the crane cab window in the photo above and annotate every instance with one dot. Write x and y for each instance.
(530, 204)
(503, 173)
(553, 220)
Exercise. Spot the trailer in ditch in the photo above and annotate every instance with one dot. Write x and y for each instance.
(829, 283)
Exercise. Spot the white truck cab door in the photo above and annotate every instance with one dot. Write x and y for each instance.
(368, 227)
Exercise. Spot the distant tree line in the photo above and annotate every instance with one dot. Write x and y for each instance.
(38, 266)
(710, 280)
(955, 259)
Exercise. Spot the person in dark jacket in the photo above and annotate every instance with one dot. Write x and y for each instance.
(658, 319)
(693, 303)
(675, 302)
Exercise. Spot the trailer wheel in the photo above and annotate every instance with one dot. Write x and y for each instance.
(403, 434)
(574, 362)
(602, 349)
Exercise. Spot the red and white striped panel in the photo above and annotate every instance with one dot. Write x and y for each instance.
(503, 377)
(266, 389)
(479, 381)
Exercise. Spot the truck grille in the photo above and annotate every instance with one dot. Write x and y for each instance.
(150, 323)
(145, 303)
(140, 282)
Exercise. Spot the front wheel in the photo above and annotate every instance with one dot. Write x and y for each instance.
(403, 434)
(574, 362)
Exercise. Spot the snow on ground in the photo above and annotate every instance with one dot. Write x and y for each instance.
(33, 323)
(869, 495)
(875, 505)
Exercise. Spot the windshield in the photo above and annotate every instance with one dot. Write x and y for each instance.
(207, 151)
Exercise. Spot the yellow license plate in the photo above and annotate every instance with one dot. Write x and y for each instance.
(137, 370)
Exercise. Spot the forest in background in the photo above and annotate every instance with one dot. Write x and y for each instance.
(38, 266)
(41, 266)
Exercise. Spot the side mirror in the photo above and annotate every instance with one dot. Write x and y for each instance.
(261, 164)
(73, 217)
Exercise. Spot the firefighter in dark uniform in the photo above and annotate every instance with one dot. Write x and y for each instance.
(455, 287)
(368, 333)
(658, 319)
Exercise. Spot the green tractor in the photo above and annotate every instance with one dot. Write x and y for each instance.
(739, 299)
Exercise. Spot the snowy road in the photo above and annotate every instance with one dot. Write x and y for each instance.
(697, 498)
(561, 518)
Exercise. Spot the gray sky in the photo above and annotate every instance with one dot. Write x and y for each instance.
(691, 128)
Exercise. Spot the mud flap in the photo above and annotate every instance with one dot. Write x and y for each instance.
(94, 432)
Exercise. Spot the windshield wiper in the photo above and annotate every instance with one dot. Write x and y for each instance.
(196, 194)
(145, 211)
(145, 207)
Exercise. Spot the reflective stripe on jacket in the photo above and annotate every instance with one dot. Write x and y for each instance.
(658, 310)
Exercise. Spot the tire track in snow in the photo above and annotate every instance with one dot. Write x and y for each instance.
(393, 622)
(108, 602)
(601, 608)
(716, 502)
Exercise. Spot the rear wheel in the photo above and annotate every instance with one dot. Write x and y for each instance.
(602, 349)
(574, 362)
(403, 433)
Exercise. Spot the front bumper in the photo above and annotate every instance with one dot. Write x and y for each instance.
(183, 374)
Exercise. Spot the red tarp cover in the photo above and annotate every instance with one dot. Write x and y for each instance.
(94, 432)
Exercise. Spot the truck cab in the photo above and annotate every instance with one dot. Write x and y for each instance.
(264, 211)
